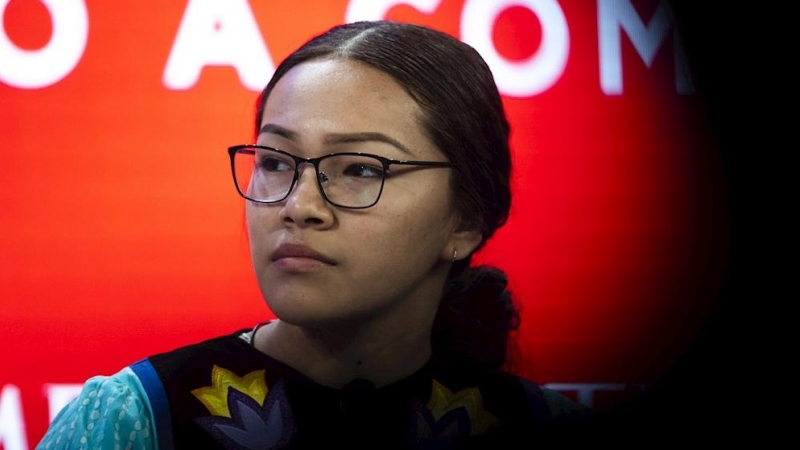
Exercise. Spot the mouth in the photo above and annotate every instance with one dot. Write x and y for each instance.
(299, 252)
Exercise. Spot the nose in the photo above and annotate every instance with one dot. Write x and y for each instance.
(305, 206)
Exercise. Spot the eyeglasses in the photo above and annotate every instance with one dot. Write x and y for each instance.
(347, 180)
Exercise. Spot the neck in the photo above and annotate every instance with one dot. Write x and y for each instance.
(334, 356)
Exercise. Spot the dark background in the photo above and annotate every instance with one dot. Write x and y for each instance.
(725, 387)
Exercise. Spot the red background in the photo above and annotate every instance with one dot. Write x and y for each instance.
(122, 234)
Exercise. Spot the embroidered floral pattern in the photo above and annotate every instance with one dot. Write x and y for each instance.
(449, 416)
(245, 413)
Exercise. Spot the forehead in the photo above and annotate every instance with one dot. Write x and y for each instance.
(343, 76)
(335, 96)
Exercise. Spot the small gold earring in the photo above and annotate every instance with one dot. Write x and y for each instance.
(455, 255)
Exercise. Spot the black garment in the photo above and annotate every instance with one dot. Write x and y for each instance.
(224, 393)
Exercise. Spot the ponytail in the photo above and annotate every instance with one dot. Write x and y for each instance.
(476, 315)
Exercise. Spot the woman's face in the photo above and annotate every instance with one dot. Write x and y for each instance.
(318, 264)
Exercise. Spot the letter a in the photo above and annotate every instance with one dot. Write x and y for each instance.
(218, 33)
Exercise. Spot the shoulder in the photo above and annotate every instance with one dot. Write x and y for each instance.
(217, 345)
(190, 362)
(194, 364)
(131, 405)
(551, 405)
(564, 421)
(514, 393)
(517, 408)
(109, 410)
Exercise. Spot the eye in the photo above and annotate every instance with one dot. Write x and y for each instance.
(361, 170)
(274, 164)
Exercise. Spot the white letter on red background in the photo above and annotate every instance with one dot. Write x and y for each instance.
(586, 391)
(519, 78)
(59, 395)
(218, 33)
(12, 425)
(34, 69)
(615, 15)
(377, 9)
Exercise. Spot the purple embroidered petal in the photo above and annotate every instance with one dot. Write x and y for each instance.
(454, 424)
(252, 426)
(256, 434)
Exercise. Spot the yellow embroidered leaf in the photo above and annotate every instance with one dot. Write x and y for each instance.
(443, 400)
(215, 397)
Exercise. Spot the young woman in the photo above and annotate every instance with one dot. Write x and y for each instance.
(380, 165)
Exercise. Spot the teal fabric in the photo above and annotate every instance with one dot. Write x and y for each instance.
(111, 412)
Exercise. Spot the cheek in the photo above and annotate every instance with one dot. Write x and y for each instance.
(258, 229)
(259, 216)
(424, 229)
(252, 224)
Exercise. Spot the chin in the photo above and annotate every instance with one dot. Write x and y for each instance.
(311, 317)
(303, 313)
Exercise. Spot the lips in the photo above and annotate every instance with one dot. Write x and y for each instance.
(299, 251)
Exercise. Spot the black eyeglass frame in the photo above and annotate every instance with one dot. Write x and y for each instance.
(386, 162)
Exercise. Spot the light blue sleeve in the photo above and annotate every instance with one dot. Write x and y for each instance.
(109, 413)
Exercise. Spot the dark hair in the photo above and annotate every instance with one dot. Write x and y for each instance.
(463, 116)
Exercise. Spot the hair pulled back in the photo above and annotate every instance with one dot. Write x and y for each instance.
(463, 116)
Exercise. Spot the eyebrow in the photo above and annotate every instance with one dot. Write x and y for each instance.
(337, 138)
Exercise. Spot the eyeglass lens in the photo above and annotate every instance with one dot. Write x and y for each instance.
(347, 180)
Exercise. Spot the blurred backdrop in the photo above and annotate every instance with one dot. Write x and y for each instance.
(121, 233)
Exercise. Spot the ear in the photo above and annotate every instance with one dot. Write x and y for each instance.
(463, 242)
